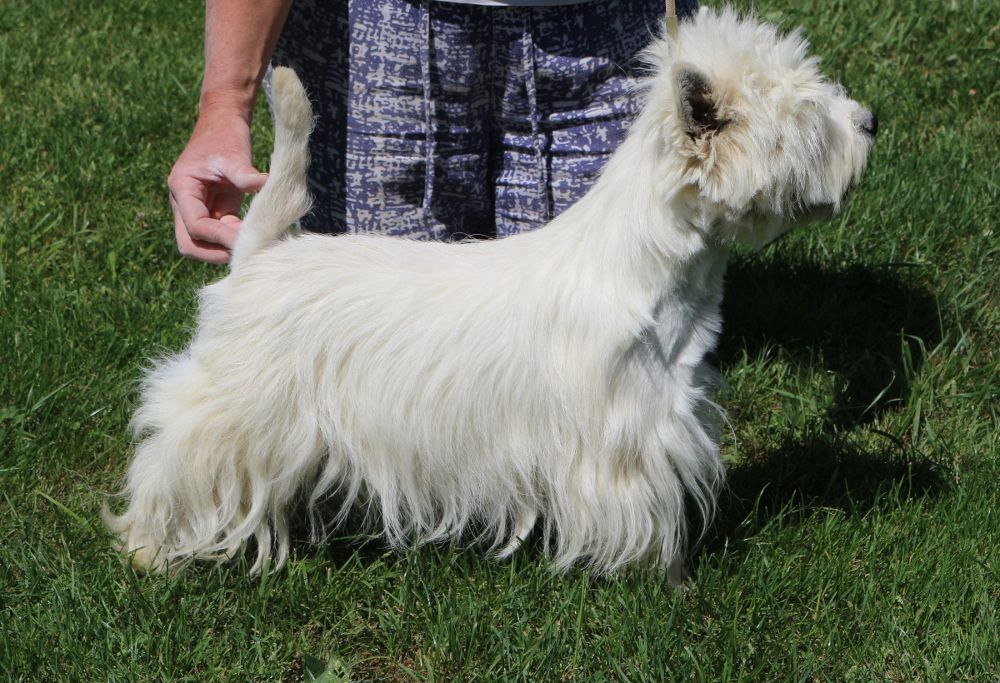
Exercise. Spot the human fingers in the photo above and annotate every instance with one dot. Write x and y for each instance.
(193, 248)
(243, 177)
(197, 250)
(189, 197)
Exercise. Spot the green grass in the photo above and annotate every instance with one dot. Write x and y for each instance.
(860, 538)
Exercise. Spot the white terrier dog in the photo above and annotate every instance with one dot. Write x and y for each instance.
(391, 372)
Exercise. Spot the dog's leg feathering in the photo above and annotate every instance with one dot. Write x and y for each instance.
(211, 471)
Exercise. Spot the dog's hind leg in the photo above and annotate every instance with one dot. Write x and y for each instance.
(523, 524)
(207, 474)
(170, 485)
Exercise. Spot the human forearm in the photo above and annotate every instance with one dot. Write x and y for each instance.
(212, 174)
(239, 38)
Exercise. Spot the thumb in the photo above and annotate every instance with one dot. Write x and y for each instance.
(246, 178)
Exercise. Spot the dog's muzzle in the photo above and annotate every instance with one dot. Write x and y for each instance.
(868, 123)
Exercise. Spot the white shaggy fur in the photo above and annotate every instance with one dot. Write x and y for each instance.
(557, 375)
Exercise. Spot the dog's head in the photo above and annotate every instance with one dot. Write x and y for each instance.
(764, 140)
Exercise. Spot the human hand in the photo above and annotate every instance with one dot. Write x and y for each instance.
(208, 182)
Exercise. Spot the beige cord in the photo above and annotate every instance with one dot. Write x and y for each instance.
(671, 19)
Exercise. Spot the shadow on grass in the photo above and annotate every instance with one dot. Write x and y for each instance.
(866, 325)
(818, 472)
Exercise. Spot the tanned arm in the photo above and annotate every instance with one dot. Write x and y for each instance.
(212, 174)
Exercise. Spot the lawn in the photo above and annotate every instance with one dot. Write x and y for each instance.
(859, 538)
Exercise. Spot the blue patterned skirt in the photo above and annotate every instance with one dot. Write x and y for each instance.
(443, 121)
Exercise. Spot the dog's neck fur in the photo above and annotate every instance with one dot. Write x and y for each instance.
(657, 243)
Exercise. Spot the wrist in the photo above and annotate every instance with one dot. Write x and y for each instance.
(230, 101)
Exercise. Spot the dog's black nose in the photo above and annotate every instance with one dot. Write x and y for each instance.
(869, 124)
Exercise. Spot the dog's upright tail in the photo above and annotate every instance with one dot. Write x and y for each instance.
(284, 198)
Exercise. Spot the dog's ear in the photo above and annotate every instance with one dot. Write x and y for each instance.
(697, 103)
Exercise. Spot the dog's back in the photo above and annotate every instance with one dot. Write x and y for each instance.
(284, 198)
